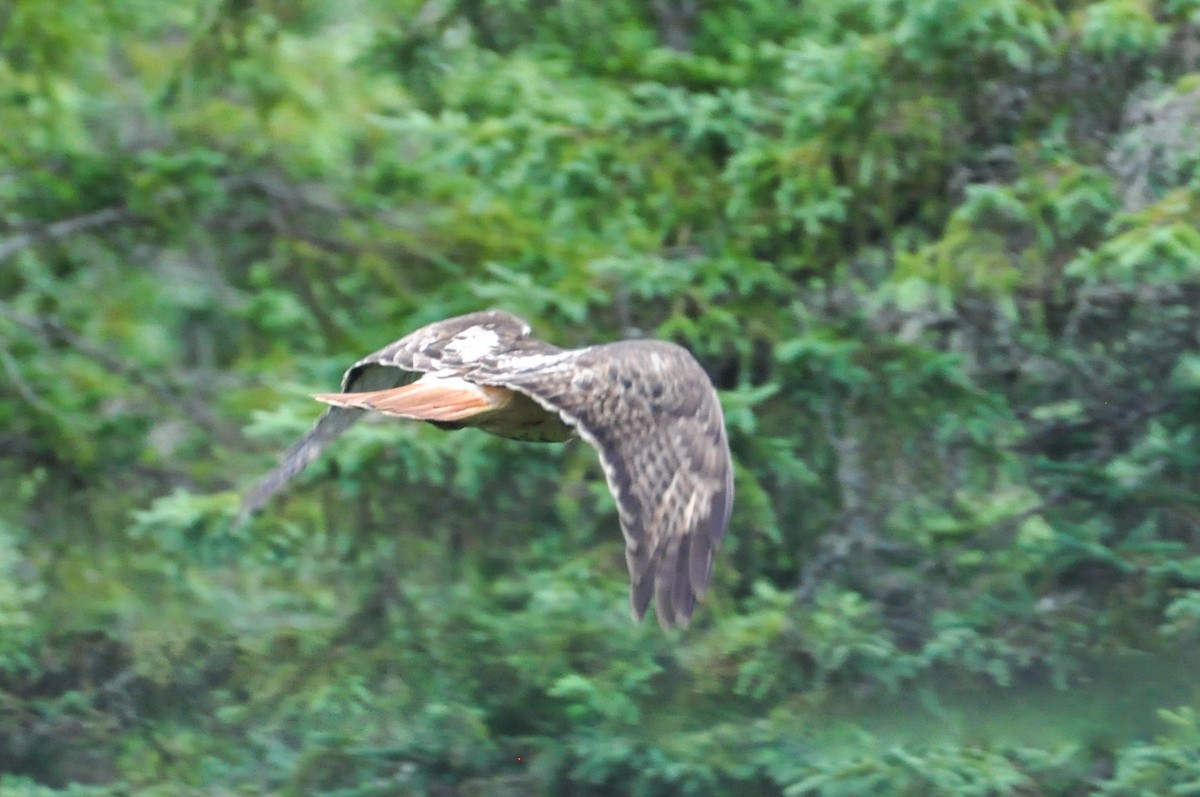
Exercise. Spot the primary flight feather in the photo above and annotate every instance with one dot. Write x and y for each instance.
(646, 406)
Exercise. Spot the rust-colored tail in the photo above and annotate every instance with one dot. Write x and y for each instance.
(427, 399)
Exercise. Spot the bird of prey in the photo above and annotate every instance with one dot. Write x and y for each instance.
(646, 406)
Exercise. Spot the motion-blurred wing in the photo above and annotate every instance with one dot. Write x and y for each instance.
(652, 414)
(330, 425)
(445, 345)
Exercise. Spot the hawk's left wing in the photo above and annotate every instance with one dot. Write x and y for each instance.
(441, 345)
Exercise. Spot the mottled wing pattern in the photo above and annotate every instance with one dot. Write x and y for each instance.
(442, 345)
(652, 414)
(453, 345)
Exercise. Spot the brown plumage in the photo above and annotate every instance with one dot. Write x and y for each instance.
(647, 407)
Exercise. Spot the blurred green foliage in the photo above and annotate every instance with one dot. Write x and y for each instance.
(941, 258)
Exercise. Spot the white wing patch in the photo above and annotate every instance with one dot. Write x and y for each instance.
(533, 362)
(473, 343)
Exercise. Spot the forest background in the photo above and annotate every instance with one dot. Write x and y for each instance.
(941, 257)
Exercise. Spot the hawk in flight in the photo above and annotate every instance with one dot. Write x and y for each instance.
(646, 406)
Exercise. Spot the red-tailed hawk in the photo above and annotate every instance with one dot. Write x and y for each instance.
(646, 406)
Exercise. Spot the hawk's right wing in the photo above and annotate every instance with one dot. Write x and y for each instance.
(650, 411)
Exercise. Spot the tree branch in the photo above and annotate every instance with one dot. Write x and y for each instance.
(63, 229)
(51, 329)
(24, 390)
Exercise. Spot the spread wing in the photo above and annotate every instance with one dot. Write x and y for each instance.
(444, 345)
(651, 412)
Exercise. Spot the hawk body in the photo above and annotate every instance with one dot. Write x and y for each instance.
(646, 406)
